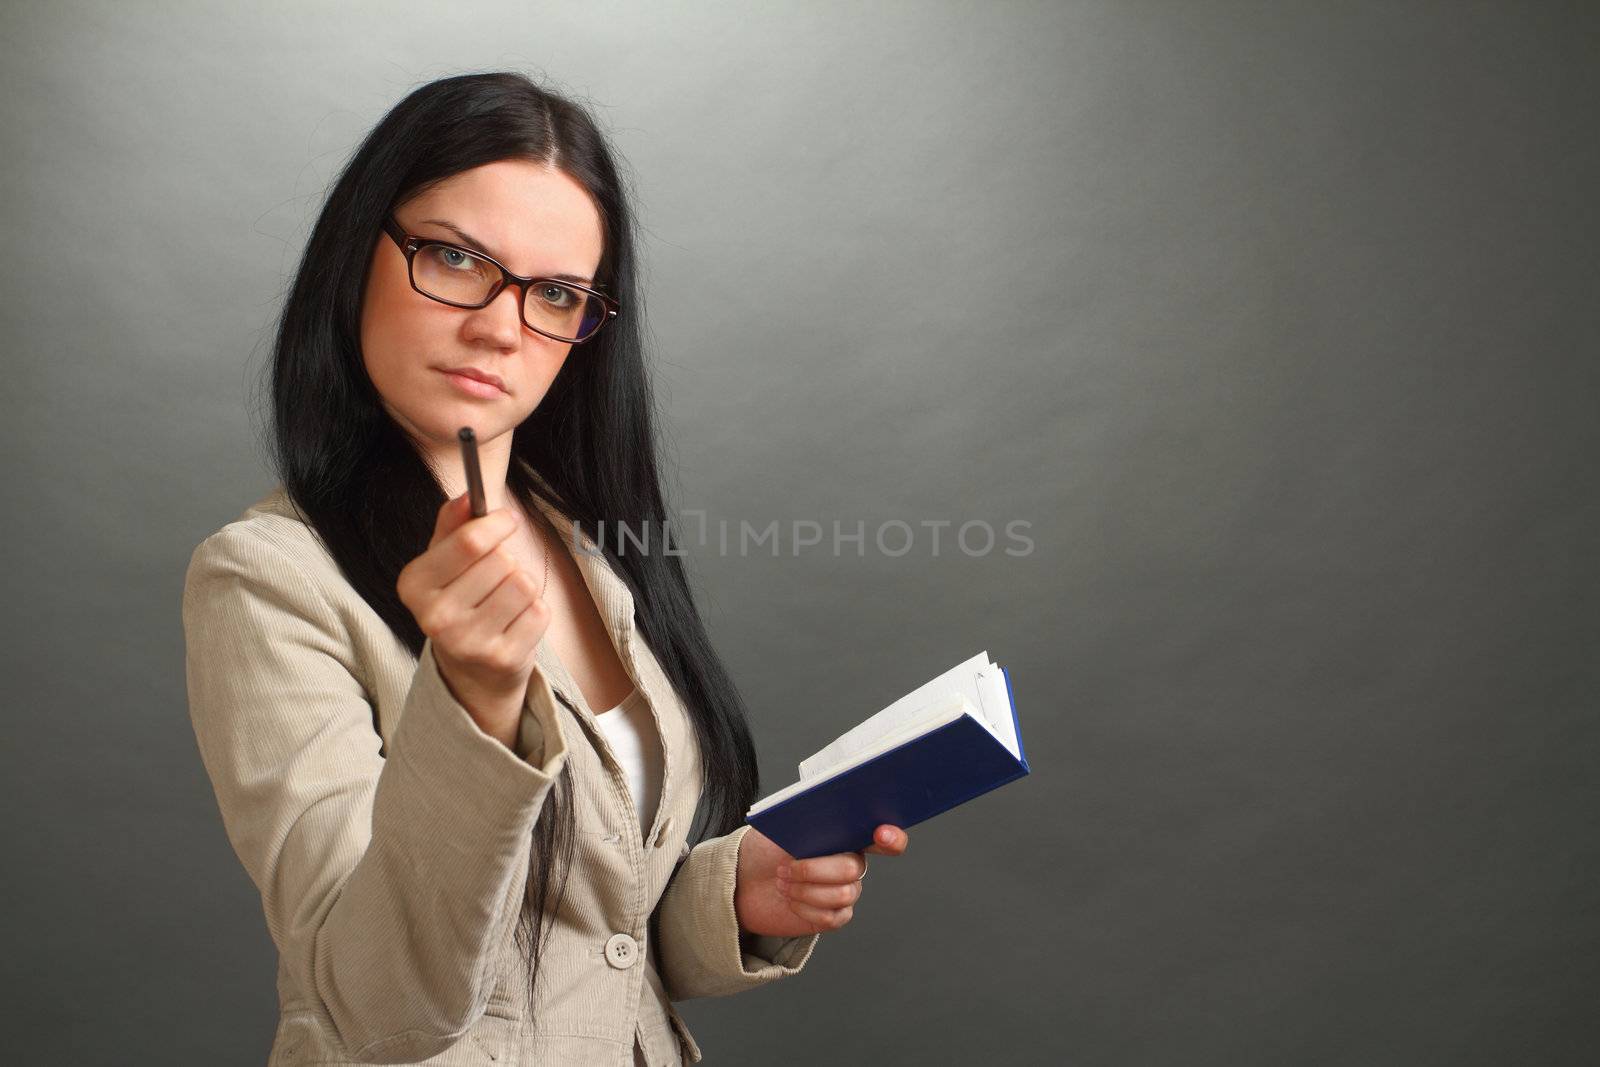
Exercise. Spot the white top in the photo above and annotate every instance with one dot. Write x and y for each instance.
(631, 731)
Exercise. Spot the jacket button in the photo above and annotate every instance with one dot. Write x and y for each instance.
(621, 951)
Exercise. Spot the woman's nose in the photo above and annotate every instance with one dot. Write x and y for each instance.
(500, 320)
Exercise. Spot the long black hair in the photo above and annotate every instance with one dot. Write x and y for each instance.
(371, 496)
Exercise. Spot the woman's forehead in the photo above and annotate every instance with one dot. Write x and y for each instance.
(516, 211)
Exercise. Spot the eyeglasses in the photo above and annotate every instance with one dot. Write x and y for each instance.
(450, 274)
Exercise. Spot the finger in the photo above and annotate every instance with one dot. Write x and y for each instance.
(510, 599)
(839, 867)
(528, 628)
(459, 599)
(475, 585)
(447, 560)
(824, 896)
(889, 841)
(822, 918)
(491, 633)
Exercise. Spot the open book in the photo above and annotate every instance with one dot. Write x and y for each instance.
(945, 742)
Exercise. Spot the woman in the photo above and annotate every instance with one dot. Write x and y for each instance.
(460, 759)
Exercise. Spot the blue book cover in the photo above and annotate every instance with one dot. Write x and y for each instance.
(931, 757)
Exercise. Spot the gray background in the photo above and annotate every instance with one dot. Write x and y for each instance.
(1276, 321)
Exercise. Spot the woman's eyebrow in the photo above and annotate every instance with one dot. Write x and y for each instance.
(477, 246)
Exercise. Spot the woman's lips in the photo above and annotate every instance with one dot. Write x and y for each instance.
(473, 387)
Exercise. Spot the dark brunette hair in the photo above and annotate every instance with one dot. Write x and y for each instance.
(369, 493)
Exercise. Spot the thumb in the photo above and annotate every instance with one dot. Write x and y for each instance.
(455, 513)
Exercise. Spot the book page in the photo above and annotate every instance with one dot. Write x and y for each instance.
(938, 714)
(996, 708)
(962, 679)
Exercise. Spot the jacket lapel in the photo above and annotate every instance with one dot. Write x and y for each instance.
(611, 597)
(615, 603)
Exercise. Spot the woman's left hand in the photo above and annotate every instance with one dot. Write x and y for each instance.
(780, 896)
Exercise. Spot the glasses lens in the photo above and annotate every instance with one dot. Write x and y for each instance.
(451, 274)
(462, 278)
(570, 314)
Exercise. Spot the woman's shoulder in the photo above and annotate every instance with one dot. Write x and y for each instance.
(271, 537)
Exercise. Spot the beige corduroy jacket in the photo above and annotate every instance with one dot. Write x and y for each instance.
(390, 837)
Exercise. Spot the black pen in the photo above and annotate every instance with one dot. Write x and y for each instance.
(469, 459)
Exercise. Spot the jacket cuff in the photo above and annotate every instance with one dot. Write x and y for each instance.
(458, 764)
(703, 951)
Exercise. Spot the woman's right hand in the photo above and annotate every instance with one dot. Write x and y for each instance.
(483, 611)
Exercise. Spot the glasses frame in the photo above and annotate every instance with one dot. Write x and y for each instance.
(411, 243)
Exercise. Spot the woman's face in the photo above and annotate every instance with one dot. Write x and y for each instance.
(535, 220)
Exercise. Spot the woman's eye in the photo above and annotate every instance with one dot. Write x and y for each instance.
(555, 294)
(452, 259)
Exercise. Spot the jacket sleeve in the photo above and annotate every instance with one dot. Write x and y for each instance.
(389, 885)
(702, 951)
